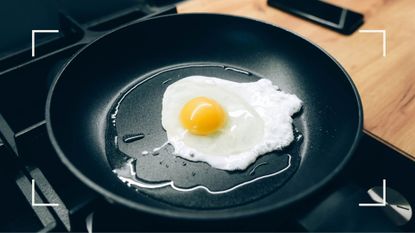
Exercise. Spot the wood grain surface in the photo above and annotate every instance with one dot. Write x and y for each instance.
(386, 84)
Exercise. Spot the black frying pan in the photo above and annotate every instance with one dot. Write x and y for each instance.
(144, 58)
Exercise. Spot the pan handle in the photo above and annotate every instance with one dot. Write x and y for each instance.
(340, 211)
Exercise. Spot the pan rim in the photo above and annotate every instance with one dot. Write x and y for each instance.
(201, 214)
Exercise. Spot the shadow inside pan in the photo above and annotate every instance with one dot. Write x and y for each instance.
(175, 180)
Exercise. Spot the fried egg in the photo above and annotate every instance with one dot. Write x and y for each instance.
(227, 124)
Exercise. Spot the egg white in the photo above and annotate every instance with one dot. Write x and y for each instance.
(259, 121)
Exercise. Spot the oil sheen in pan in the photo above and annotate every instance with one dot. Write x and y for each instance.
(143, 160)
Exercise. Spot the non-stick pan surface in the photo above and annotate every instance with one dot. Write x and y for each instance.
(136, 63)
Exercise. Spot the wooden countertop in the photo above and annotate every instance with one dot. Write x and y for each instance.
(386, 84)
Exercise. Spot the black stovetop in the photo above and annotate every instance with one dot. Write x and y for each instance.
(24, 83)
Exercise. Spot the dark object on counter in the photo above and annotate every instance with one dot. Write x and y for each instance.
(325, 14)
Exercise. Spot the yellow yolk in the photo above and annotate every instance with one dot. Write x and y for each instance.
(202, 116)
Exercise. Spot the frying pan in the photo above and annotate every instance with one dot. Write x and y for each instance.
(140, 60)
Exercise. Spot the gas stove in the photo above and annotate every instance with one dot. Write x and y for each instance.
(40, 194)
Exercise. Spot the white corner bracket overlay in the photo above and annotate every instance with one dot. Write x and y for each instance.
(378, 204)
(33, 37)
(383, 32)
(33, 198)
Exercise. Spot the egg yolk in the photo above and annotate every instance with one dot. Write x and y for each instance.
(202, 116)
